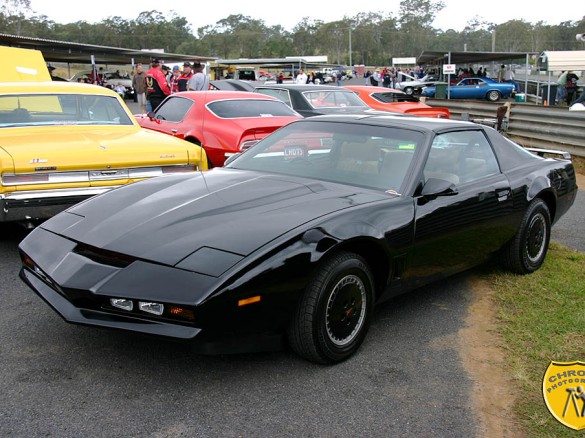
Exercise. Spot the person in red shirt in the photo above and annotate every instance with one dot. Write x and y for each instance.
(185, 76)
(157, 87)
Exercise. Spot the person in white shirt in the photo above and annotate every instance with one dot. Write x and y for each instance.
(199, 81)
(509, 77)
(301, 77)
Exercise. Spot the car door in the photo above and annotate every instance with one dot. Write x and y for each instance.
(174, 116)
(467, 89)
(466, 217)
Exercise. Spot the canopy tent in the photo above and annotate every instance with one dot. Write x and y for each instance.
(562, 60)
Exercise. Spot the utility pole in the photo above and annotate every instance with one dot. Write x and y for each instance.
(350, 61)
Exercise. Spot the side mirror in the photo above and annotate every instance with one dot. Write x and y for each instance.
(150, 115)
(435, 187)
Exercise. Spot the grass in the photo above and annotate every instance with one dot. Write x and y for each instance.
(541, 318)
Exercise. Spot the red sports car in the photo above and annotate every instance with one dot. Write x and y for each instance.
(396, 101)
(223, 122)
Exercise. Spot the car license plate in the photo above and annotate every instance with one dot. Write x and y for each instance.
(295, 151)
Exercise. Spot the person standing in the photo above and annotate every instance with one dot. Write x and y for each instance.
(571, 86)
(502, 73)
(301, 77)
(510, 78)
(561, 90)
(174, 83)
(199, 81)
(139, 87)
(185, 76)
(375, 78)
(157, 87)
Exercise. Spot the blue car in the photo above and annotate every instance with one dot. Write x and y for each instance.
(476, 88)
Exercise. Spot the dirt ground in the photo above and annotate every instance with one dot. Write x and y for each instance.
(483, 359)
(494, 393)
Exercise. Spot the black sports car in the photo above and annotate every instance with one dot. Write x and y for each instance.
(300, 235)
(314, 100)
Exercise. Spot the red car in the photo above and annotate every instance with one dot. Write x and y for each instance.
(396, 101)
(223, 122)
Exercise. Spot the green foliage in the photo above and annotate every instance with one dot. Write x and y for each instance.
(376, 37)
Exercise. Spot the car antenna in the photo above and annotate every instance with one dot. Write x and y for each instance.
(200, 166)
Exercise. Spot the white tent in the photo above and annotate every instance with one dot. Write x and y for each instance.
(552, 61)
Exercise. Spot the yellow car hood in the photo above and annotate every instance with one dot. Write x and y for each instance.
(65, 148)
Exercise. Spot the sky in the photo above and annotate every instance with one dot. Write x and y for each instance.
(455, 15)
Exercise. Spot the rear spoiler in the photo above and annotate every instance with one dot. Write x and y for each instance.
(432, 111)
(542, 152)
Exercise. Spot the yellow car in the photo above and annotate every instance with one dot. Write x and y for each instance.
(62, 142)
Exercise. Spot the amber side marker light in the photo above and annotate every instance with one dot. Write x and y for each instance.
(251, 300)
(180, 312)
(26, 260)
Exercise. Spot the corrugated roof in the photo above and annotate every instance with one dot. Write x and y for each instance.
(64, 51)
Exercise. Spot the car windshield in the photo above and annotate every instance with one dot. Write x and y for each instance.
(355, 154)
(241, 108)
(333, 99)
(61, 109)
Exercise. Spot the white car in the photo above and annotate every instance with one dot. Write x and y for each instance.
(414, 85)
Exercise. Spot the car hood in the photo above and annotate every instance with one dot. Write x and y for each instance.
(166, 219)
(61, 148)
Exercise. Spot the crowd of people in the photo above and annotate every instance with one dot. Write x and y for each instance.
(152, 87)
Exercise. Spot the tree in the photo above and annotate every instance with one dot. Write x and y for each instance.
(15, 12)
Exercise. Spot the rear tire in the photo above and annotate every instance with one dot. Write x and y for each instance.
(409, 90)
(526, 252)
(333, 316)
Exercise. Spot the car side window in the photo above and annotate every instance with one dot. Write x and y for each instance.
(461, 157)
(174, 109)
(279, 94)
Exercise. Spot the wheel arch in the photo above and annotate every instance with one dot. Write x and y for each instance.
(549, 199)
(541, 188)
(193, 139)
(374, 255)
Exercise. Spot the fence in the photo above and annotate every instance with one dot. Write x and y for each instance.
(528, 124)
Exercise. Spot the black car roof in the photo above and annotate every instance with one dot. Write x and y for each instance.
(427, 124)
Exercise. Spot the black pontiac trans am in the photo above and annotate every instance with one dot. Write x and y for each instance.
(299, 237)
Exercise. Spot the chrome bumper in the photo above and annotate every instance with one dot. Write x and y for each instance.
(43, 204)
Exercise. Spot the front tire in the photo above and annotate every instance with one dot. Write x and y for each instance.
(493, 96)
(334, 314)
(526, 252)
(409, 90)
